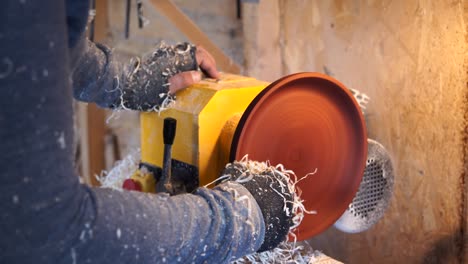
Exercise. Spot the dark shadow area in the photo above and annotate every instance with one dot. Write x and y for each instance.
(448, 249)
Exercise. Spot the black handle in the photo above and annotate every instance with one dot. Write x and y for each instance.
(169, 130)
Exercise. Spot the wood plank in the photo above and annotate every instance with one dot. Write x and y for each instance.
(96, 133)
(83, 157)
(193, 32)
(96, 128)
(465, 180)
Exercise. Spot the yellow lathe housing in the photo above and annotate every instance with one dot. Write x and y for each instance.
(207, 114)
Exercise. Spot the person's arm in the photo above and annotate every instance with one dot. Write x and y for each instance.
(47, 216)
(141, 84)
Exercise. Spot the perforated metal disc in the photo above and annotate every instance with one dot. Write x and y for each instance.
(374, 194)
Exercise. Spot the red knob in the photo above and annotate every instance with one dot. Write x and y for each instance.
(130, 184)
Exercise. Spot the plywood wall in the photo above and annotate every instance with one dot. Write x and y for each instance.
(410, 58)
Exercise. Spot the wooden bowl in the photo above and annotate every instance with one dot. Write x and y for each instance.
(308, 122)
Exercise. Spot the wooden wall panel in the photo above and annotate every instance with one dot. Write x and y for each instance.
(96, 127)
(409, 57)
(262, 44)
(465, 180)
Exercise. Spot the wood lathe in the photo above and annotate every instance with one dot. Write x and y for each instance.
(309, 122)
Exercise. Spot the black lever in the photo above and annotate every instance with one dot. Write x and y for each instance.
(169, 131)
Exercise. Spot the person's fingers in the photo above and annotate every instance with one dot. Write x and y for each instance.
(206, 62)
(182, 80)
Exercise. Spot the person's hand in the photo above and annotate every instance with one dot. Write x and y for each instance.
(272, 196)
(206, 63)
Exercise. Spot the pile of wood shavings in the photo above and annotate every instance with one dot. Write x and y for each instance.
(122, 170)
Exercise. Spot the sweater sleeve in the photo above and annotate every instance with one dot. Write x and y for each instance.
(47, 216)
(142, 84)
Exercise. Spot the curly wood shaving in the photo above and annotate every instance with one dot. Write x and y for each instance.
(286, 252)
(122, 170)
(283, 175)
(166, 103)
